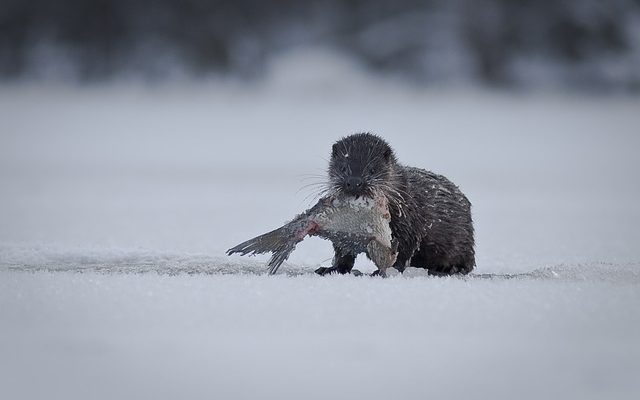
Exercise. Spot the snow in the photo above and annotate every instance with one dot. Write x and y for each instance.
(117, 203)
(104, 335)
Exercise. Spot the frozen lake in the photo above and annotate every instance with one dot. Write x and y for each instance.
(117, 203)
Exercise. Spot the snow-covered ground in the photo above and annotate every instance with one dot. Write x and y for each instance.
(117, 203)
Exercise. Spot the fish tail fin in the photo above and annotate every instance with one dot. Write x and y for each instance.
(261, 244)
(278, 241)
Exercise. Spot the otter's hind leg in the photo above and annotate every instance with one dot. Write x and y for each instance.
(439, 264)
(342, 263)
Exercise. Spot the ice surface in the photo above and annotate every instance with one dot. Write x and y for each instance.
(117, 203)
(96, 335)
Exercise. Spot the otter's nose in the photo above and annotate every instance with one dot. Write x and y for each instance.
(354, 184)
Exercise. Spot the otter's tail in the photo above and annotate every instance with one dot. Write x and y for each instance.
(279, 242)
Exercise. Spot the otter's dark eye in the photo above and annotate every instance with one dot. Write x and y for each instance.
(372, 171)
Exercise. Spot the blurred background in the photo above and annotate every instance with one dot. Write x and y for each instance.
(583, 44)
(173, 125)
(140, 139)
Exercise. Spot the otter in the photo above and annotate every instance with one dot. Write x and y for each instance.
(430, 217)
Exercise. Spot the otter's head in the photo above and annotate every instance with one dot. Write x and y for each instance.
(360, 164)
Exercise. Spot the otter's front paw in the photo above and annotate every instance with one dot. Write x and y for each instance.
(325, 270)
(331, 270)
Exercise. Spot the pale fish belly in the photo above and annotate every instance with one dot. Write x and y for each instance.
(365, 220)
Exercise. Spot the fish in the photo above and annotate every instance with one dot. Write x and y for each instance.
(359, 224)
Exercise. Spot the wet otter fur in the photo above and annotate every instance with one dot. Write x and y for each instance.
(430, 217)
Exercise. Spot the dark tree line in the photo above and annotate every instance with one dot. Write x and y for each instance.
(589, 42)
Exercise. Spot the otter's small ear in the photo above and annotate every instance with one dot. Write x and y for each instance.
(334, 150)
